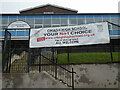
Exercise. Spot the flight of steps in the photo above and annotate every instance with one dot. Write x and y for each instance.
(19, 63)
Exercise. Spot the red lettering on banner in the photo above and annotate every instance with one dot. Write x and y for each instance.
(61, 33)
(43, 38)
(92, 34)
(40, 39)
(68, 33)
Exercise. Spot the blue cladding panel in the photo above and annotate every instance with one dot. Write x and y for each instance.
(64, 16)
(55, 16)
(47, 17)
(110, 31)
(115, 16)
(21, 17)
(106, 16)
(72, 16)
(4, 17)
(2, 33)
(12, 17)
(89, 16)
(27, 33)
(116, 32)
(80, 16)
(97, 16)
(13, 33)
(29, 17)
(20, 33)
(38, 17)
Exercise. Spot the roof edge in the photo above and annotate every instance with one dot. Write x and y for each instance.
(46, 5)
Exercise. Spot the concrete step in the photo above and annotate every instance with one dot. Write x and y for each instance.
(30, 80)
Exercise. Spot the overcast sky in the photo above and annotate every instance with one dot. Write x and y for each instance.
(83, 6)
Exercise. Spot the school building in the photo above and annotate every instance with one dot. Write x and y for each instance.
(49, 15)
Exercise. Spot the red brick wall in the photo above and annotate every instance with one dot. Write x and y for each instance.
(41, 10)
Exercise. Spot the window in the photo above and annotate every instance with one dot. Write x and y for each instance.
(46, 25)
(115, 27)
(55, 25)
(64, 21)
(98, 19)
(81, 21)
(47, 21)
(38, 26)
(30, 21)
(106, 18)
(4, 27)
(12, 19)
(55, 21)
(22, 18)
(4, 21)
(38, 21)
(72, 21)
(114, 20)
(89, 20)
(110, 26)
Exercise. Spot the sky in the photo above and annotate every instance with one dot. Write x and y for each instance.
(83, 6)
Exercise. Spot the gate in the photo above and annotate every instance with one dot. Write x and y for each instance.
(6, 58)
(17, 63)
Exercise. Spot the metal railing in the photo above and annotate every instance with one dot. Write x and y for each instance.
(6, 53)
(47, 61)
(19, 58)
(60, 72)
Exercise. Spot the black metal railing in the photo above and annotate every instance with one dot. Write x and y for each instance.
(6, 56)
(47, 61)
(19, 58)
(60, 72)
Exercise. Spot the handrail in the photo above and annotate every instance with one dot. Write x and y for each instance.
(113, 23)
(57, 71)
(57, 64)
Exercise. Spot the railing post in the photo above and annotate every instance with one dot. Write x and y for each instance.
(40, 62)
(111, 52)
(10, 54)
(10, 60)
(53, 61)
(56, 69)
(53, 55)
(29, 58)
(72, 79)
(68, 55)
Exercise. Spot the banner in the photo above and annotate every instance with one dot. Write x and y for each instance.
(95, 33)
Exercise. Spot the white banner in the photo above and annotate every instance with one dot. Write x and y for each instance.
(95, 33)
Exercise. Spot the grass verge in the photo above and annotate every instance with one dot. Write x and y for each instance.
(97, 57)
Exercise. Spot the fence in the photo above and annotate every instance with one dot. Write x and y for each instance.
(62, 56)
(19, 60)
(6, 58)
(99, 53)
(47, 61)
